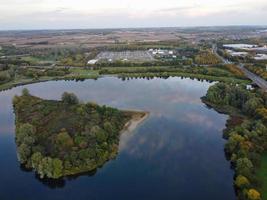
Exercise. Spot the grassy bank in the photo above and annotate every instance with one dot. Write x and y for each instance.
(215, 73)
(262, 176)
(78, 72)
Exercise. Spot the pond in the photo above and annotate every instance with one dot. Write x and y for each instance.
(177, 153)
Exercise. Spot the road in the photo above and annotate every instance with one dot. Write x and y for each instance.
(255, 78)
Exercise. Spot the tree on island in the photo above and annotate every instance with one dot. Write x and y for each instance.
(69, 98)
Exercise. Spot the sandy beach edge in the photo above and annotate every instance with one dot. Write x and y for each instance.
(138, 117)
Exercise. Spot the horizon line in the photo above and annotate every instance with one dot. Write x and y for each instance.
(141, 27)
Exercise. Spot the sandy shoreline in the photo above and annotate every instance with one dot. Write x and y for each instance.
(138, 118)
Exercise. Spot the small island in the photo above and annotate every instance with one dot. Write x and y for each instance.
(67, 137)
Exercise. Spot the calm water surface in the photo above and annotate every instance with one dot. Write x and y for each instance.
(177, 153)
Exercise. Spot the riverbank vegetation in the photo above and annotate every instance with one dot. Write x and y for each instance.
(67, 137)
(262, 175)
(14, 76)
(214, 73)
(11, 76)
(246, 137)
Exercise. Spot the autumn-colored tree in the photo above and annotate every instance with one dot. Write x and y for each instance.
(241, 181)
(253, 194)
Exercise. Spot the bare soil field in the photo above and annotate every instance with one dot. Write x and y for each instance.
(104, 37)
(83, 38)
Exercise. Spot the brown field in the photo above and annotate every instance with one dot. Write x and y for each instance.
(46, 39)
(105, 37)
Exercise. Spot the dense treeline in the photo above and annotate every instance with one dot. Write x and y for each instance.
(169, 71)
(36, 73)
(158, 62)
(58, 138)
(10, 74)
(67, 56)
(13, 50)
(247, 139)
(7, 73)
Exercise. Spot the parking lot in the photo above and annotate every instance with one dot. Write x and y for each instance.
(132, 56)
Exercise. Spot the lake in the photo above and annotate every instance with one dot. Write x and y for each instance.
(177, 153)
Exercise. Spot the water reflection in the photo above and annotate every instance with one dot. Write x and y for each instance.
(179, 149)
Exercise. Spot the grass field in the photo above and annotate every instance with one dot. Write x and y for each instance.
(262, 174)
(83, 73)
(30, 59)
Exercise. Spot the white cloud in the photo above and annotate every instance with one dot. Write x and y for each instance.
(16, 14)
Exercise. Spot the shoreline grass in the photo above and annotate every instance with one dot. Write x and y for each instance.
(81, 73)
(262, 175)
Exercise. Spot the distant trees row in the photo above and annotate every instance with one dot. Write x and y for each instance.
(162, 62)
(7, 73)
(36, 72)
(169, 71)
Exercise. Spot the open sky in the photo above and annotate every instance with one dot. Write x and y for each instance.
(58, 14)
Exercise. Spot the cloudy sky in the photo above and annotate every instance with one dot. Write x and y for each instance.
(57, 14)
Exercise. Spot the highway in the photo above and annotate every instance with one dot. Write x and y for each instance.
(256, 79)
(260, 82)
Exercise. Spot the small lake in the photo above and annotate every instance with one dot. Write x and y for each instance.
(177, 153)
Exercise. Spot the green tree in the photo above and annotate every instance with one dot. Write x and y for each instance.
(57, 168)
(23, 153)
(252, 105)
(244, 166)
(25, 92)
(64, 140)
(46, 167)
(234, 141)
(101, 136)
(36, 159)
(109, 128)
(25, 134)
(69, 98)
